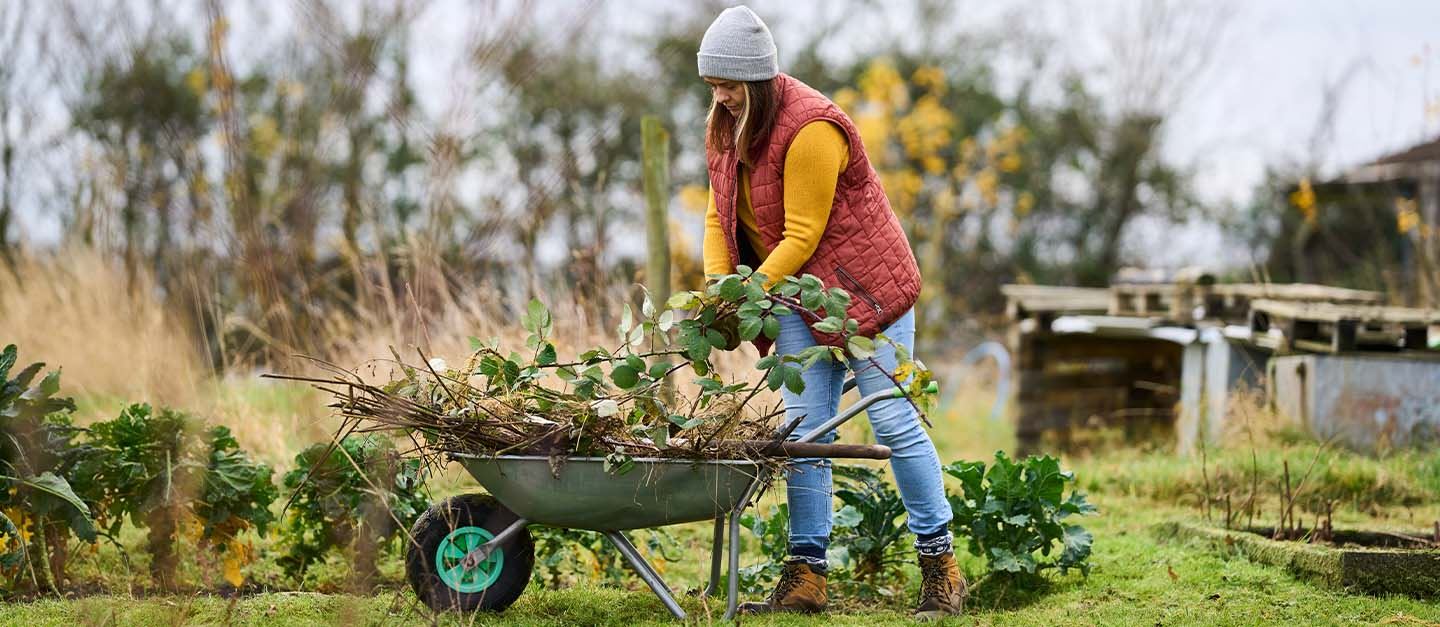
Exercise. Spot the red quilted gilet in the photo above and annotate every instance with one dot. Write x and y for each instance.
(863, 249)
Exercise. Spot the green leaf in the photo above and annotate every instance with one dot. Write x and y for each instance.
(686, 423)
(1047, 483)
(732, 289)
(715, 338)
(794, 381)
(1077, 543)
(52, 494)
(767, 361)
(772, 327)
(547, 356)
(618, 463)
(698, 350)
(658, 369)
(627, 322)
(848, 516)
(789, 290)
(682, 300)
(594, 356)
(810, 299)
(7, 361)
(828, 325)
(775, 378)
(751, 328)
(1076, 504)
(537, 318)
(861, 347)
(625, 377)
(1004, 560)
(659, 435)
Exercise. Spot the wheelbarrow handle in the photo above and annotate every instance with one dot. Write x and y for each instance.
(812, 449)
(861, 405)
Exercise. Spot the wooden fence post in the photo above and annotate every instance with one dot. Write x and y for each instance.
(655, 162)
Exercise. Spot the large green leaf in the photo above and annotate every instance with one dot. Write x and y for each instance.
(1078, 542)
(7, 361)
(12, 551)
(1046, 482)
(51, 494)
(848, 516)
(1005, 561)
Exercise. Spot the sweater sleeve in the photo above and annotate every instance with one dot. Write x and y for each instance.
(813, 164)
(714, 255)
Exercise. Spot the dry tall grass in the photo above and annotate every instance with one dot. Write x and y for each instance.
(117, 343)
(76, 310)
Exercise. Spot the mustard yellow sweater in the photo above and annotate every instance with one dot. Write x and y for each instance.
(813, 164)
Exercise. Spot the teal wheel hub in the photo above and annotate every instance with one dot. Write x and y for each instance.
(452, 552)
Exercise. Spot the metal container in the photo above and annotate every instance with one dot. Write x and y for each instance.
(654, 493)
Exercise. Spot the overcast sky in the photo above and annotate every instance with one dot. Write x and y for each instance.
(1257, 103)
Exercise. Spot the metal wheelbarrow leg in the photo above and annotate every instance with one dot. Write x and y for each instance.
(657, 585)
(646, 571)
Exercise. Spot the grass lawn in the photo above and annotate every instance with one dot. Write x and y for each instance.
(1136, 581)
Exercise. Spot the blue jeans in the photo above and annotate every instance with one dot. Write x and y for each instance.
(894, 422)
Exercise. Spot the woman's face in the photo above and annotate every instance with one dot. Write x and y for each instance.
(728, 94)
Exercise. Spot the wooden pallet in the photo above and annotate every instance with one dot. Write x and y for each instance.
(1331, 328)
(1045, 302)
(1166, 301)
(1190, 303)
(1230, 303)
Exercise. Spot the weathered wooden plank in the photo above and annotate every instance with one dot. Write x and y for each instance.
(1329, 312)
(1296, 292)
(1025, 301)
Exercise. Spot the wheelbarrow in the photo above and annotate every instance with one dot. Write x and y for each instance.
(473, 552)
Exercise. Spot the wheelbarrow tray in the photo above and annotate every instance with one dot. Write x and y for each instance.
(654, 493)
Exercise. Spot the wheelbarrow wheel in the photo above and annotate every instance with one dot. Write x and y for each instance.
(449, 530)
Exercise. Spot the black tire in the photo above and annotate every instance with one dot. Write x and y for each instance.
(437, 523)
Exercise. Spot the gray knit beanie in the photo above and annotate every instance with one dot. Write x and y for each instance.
(738, 47)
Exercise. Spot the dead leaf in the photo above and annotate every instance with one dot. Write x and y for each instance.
(1173, 576)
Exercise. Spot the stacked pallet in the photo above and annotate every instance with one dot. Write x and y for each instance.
(1191, 303)
(1319, 327)
(1115, 362)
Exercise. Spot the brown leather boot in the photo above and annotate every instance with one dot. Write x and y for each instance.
(942, 587)
(800, 589)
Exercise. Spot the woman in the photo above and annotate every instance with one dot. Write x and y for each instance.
(791, 192)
